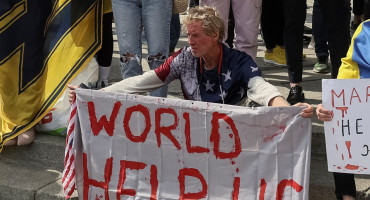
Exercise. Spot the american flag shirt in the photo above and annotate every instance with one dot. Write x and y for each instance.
(237, 69)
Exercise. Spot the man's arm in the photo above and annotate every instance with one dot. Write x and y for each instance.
(278, 101)
(147, 82)
(264, 93)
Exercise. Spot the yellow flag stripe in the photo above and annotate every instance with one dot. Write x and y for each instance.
(73, 71)
(80, 60)
(12, 15)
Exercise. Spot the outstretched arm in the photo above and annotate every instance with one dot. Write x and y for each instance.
(264, 93)
(280, 101)
(147, 82)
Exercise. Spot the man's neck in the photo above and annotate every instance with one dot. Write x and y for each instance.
(211, 58)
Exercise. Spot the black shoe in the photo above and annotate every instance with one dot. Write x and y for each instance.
(307, 30)
(254, 104)
(100, 84)
(296, 95)
(94, 85)
(306, 39)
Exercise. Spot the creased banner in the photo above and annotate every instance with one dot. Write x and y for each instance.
(347, 136)
(43, 45)
(137, 147)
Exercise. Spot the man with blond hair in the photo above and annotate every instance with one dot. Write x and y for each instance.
(208, 70)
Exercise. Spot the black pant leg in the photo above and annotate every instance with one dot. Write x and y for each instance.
(104, 55)
(337, 16)
(344, 185)
(231, 29)
(272, 23)
(366, 9)
(295, 17)
(319, 31)
(358, 7)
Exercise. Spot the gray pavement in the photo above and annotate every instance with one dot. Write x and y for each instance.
(39, 166)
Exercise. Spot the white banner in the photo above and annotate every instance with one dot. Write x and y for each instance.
(347, 135)
(138, 147)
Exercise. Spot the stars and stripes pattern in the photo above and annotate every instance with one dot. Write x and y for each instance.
(229, 85)
(68, 180)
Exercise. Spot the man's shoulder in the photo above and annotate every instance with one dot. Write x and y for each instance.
(239, 58)
(184, 55)
(237, 54)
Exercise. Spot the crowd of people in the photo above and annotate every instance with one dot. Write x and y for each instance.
(214, 68)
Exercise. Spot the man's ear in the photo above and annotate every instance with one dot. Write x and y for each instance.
(215, 36)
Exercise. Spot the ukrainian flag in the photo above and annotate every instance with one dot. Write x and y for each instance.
(44, 44)
(357, 62)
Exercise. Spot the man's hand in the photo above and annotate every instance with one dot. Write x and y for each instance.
(72, 93)
(323, 114)
(306, 112)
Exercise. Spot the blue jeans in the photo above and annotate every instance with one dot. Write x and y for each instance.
(175, 31)
(131, 16)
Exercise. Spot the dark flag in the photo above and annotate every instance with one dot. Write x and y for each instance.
(43, 45)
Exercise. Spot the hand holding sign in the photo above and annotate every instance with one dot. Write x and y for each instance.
(324, 114)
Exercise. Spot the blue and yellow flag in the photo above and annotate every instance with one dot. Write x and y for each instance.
(43, 45)
(357, 62)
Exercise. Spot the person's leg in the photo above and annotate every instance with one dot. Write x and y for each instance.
(223, 7)
(272, 27)
(268, 23)
(320, 35)
(294, 18)
(230, 29)
(366, 9)
(358, 14)
(127, 17)
(247, 14)
(104, 55)
(337, 15)
(345, 187)
(358, 11)
(174, 32)
(157, 21)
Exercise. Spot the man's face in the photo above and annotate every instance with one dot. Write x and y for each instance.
(201, 44)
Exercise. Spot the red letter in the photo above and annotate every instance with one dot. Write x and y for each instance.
(367, 93)
(215, 136)
(122, 176)
(88, 181)
(194, 173)
(283, 184)
(236, 185)
(332, 97)
(165, 130)
(145, 111)
(153, 182)
(353, 96)
(96, 127)
(191, 149)
(263, 189)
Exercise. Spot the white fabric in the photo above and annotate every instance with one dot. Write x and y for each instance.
(266, 148)
(147, 82)
(261, 91)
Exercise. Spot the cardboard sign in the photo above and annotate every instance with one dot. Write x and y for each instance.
(137, 147)
(347, 135)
